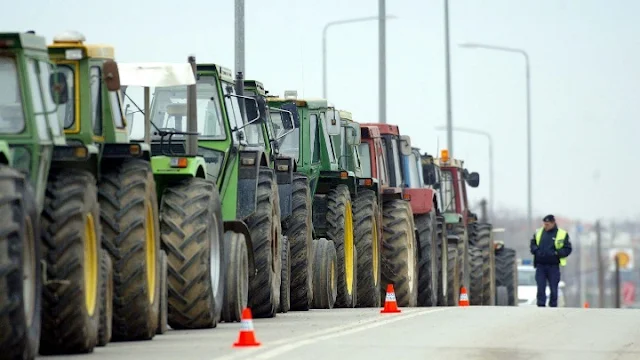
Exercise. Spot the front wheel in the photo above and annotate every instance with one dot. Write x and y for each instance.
(192, 232)
(325, 284)
(236, 283)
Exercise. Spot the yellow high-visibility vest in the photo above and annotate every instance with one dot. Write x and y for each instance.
(559, 242)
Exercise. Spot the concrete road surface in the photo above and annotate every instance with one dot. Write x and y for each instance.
(470, 333)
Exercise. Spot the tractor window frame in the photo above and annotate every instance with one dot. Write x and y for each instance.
(35, 87)
(12, 62)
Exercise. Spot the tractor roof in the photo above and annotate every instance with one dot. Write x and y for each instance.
(72, 42)
(11, 40)
(385, 129)
(255, 85)
(368, 131)
(346, 115)
(156, 74)
(292, 95)
(224, 73)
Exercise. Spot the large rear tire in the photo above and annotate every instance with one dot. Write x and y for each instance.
(428, 263)
(506, 273)
(480, 236)
(192, 231)
(106, 300)
(298, 229)
(163, 314)
(367, 238)
(399, 253)
(129, 219)
(475, 286)
(236, 283)
(71, 236)
(340, 231)
(441, 246)
(325, 284)
(20, 268)
(285, 278)
(453, 276)
(266, 231)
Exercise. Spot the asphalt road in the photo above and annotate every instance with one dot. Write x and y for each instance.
(470, 333)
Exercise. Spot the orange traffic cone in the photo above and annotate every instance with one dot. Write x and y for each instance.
(464, 298)
(390, 304)
(586, 304)
(247, 337)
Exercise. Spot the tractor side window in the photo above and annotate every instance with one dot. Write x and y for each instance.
(396, 164)
(49, 104)
(116, 109)
(96, 99)
(314, 140)
(414, 176)
(327, 139)
(233, 109)
(461, 192)
(448, 191)
(11, 112)
(66, 112)
(36, 94)
(382, 163)
(365, 159)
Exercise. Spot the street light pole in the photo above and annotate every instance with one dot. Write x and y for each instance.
(528, 94)
(324, 44)
(448, 80)
(239, 36)
(490, 140)
(382, 62)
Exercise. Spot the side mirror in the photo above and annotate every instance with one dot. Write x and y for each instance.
(292, 109)
(473, 179)
(333, 122)
(353, 134)
(111, 75)
(58, 87)
(405, 145)
(562, 284)
(256, 107)
(287, 120)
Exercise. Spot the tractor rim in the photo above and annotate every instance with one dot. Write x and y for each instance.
(150, 244)
(214, 255)
(411, 256)
(90, 265)
(29, 273)
(348, 247)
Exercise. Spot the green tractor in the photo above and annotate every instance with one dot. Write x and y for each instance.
(50, 238)
(126, 192)
(191, 214)
(275, 124)
(367, 211)
(331, 189)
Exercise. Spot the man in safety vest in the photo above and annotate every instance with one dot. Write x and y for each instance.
(550, 247)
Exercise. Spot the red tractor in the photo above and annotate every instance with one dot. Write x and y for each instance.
(474, 239)
(409, 245)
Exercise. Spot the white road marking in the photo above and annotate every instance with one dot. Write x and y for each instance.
(283, 346)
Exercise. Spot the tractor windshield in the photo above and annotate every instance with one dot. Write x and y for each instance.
(365, 160)
(412, 174)
(11, 114)
(447, 190)
(169, 110)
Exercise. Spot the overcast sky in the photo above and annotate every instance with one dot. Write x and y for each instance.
(584, 68)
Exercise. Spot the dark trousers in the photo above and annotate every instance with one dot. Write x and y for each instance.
(548, 274)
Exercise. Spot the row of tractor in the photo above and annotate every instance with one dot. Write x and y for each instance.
(230, 198)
